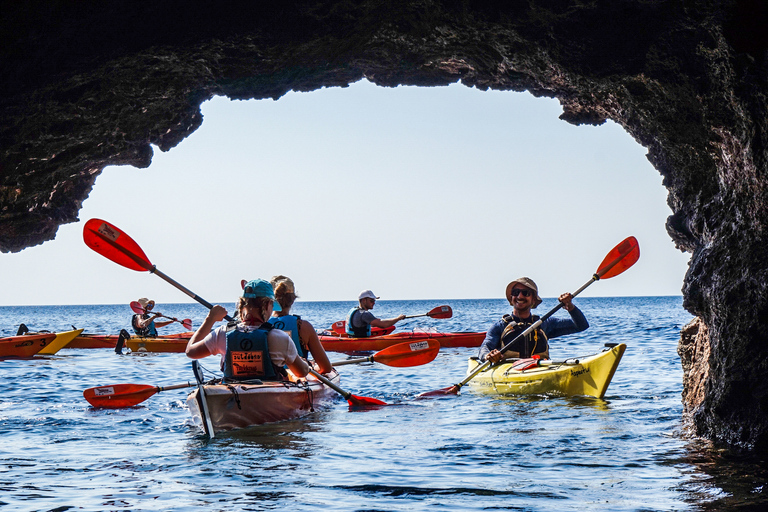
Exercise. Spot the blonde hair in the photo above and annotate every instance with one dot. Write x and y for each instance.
(285, 291)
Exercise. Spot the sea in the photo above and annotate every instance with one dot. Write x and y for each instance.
(471, 452)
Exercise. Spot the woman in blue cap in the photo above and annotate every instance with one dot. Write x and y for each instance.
(251, 348)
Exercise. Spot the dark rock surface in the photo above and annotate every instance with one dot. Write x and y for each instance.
(90, 84)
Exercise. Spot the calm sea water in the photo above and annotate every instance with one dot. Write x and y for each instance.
(467, 452)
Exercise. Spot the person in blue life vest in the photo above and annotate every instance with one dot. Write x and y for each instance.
(249, 348)
(523, 296)
(144, 324)
(360, 319)
(300, 330)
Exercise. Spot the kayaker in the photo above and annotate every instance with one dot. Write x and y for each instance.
(301, 331)
(144, 324)
(250, 348)
(360, 319)
(523, 296)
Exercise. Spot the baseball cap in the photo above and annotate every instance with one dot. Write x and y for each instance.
(366, 294)
(260, 288)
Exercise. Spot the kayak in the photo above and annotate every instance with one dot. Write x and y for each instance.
(239, 405)
(334, 343)
(87, 340)
(61, 340)
(157, 344)
(24, 346)
(588, 375)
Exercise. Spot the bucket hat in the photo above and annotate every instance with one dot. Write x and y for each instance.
(528, 283)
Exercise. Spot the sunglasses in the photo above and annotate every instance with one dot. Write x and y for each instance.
(517, 291)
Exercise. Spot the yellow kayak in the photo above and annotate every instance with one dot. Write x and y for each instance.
(588, 375)
(61, 340)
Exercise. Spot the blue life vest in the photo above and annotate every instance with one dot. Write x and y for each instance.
(150, 331)
(357, 332)
(247, 355)
(290, 324)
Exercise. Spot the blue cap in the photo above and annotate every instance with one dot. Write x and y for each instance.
(260, 288)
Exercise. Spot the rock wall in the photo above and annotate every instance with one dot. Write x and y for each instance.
(90, 84)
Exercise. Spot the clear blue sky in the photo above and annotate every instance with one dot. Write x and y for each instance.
(416, 193)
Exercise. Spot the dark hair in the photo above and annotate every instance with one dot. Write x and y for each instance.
(258, 303)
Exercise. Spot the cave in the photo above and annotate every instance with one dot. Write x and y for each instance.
(89, 85)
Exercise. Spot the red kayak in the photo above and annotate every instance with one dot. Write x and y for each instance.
(24, 346)
(337, 343)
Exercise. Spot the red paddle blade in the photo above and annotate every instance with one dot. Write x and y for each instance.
(364, 401)
(117, 396)
(187, 324)
(441, 312)
(619, 259)
(339, 327)
(408, 354)
(453, 390)
(243, 282)
(137, 308)
(115, 245)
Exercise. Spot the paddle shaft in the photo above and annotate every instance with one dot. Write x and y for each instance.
(184, 290)
(368, 359)
(416, 316)
(533, 327)
(202, 400)
(346, 394)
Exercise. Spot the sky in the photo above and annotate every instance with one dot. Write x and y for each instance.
(416, 193)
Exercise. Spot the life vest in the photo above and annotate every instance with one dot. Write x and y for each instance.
(291, 324)
(247, 355)
(357, 332)
(150, 331)
(535, 342)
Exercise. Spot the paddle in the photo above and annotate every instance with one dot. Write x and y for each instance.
(116, 396)
(139, 310)
(438, 312)
(615, 262)
(114, 244)
(401, 355)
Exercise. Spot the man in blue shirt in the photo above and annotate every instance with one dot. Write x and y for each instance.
(523, 296)
(360, 319)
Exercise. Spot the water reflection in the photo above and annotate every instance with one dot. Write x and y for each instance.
(722, 479)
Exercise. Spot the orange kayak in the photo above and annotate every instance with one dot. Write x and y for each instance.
(110, 340)
(335, 343)
(24, 346)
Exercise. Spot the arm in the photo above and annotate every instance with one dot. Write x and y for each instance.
(315, 347)
(386, 323)
(491, 344)
(163, 324)
(196, 347)
(281, 346)
(144, 322)
(554, 327)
